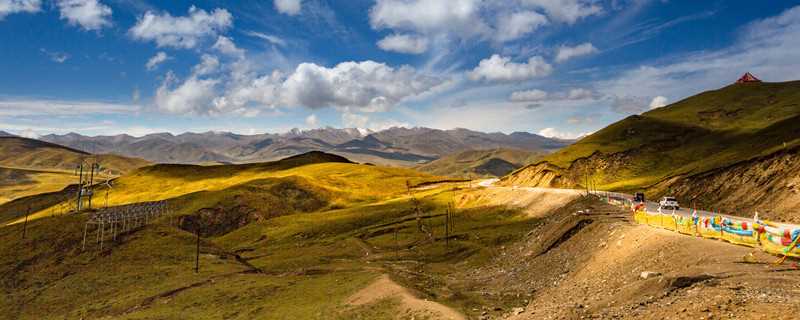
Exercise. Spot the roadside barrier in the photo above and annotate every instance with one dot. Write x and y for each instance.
(766, 235)
(773, 238)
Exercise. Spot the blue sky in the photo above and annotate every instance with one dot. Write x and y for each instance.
(555, 67)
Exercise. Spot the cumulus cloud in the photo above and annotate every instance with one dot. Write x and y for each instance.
(353, 120)
(404, 43)
(536, 95)
(498, 68)
(580, 94)
(529, 95)
(226, 46)
(312, 121)
(8, 7)
(517, 24)
(658, 102)
(565, 52)
(366, 86)
(208, 65)
(88, 14)
(156, 60)
(459, 17)
(193, 96)
(289, 7)
(555, 133)
(569, 11)
(181, 32)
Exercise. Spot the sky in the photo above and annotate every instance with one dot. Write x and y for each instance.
(560, 68)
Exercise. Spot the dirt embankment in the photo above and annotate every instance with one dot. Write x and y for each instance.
(605, 166)
(589, 260)
(410, 306)
(538, 175)
(770, 185)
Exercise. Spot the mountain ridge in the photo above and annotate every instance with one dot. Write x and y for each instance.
(393, 146)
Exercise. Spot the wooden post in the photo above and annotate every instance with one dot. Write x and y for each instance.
(447, 228)
(25, 225)
(85, 229)
(102, 233)
(197, 254)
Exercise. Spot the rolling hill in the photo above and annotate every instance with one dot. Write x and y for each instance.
(480, 163)
(686, 149)
(23, 153)
(29, 166)
(395, 146)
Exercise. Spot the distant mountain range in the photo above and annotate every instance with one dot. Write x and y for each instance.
(395, 146)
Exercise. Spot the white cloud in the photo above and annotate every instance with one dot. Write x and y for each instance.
(536, 95)
(367, 86)
(89, 14)
(569, 11)
(529, 95)
(289, 7)
(498, 68)
(580, 94)
(181, 32)
(312, 121)
(459, 17)
(658, 102)
(156, 60)
(555, 133)
(226, 46)
(404, 43)
(565, 52)
(353, 120)
(208, 64)
(517, 24)
(268, 37)
(28, 133)
(193, 96)
(8, 7)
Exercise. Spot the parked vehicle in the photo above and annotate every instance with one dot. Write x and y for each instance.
(669, 203)
(638, 197)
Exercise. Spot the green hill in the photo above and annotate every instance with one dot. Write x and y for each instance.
(664, 148)
(287, 239)
(29, 166)
(480, 163)
(23, 153)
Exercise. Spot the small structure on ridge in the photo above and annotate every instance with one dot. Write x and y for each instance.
(747, 78)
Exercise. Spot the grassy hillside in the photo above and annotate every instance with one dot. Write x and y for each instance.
(23, 153)
(16, 183)
(287, 239)
(480, 163)
(195, 187)
(704, 132)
